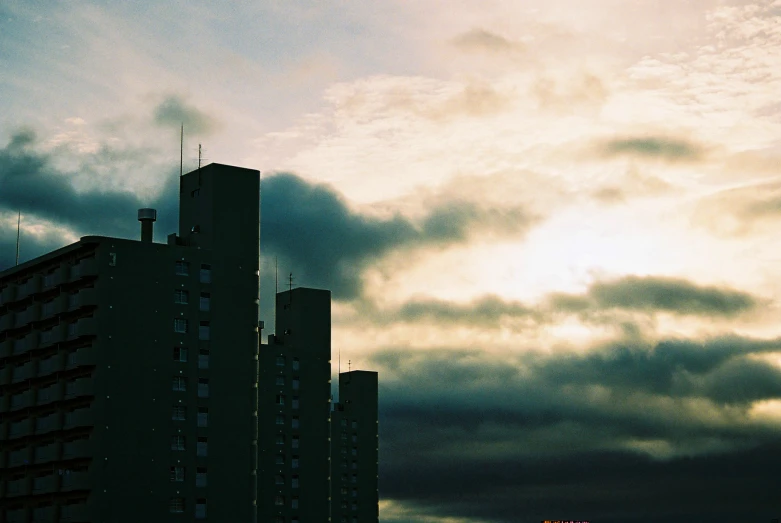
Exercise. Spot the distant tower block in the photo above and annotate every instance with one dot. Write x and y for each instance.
(147, 217)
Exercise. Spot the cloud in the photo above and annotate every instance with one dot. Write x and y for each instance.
(33, 184)
(479, 39)
(302, 222)
(583, 435)
(739, 211)
(174, 111)
(653, 147)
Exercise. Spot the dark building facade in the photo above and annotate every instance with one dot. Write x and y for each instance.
(128, 368)
(355, 450)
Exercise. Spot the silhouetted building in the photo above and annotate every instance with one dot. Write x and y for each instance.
(128, 368)
(354, 450)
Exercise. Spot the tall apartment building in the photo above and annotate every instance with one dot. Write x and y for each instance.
(355, 450)
(128, 369)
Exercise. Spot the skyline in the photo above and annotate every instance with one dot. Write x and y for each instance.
(549, 226)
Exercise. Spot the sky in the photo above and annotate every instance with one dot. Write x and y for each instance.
(551, 226)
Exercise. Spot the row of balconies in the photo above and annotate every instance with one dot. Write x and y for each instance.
(43, 311)
(54, 421)
(40, 339)
(58, 391)
(62, 361)
(48, 453)
(38, 283)
(73, 512)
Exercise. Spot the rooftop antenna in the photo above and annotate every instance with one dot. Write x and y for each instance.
(276, 275)
(199, 156)
(18, 230)
(290, 294)
(291, 281)
(181, 151)
(349, 366)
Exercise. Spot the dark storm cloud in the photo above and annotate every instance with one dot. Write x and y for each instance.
(653, 147)
(29, 182)
(536, 436)
(174, 111)
(327, 245)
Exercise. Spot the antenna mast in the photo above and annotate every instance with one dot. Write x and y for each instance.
(291, 281)
(181, 151)
(199, 156)
(18, 230)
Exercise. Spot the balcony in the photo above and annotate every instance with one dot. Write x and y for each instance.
(6, 348)
(25, 344)
(57, 277)
(7, 321)
(81, 357)
(74, 512)
(18, 487)
(54, 306)
(46, 453)
(32, 286)
(24, 372)
(20, 429)
(8, 294)
(29, 315)
(5, 375)
(83, 327)
(16, 516)
(48, 423)
(84, 269)
(84, 298)
(49, 394)
(45, 484)
(19, 457)
(22, 400)
(53, 335)
(75, 480)
(77, 448)
(43, 514)
(83, 417)
(79, 387)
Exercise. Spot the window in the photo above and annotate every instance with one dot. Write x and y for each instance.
(72, 328)
(280, 439)
(345, 491)
(201, 447)
(294, 423)
(72, 358)
(179, 383)
(177, 442)
(280, 361)
(355, 438)
(354, 506)
(355, 451)
(206, 273)
(177, 474)
(203, 331)
(203, 417)
(195, 192)
(296, 364)
(279, 479)
(181, 297)
(203, 358)
(355, 492)
(294, 502)
(354, 465)
(280, 459)
(354, 424)
(296, 383)
(294, 462)
(294, 403)
(200, 477)
(179, 413)
(294, 442)
(280, 419)
(343, 423)
(176, 505)
(280, 380)
(180, 325)
(203, 388)
(294, 482)
(280, 399)
(73, 300)
(180, 354)
(354, 479)
(182, 268)
(279, 501)
(200, 508)
(205, 302)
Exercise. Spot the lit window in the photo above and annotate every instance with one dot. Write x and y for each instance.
(294, 462)
(296, 364)
(206, 273)
(203, 388)
(179, 413)
(182, 268)
(201, 448)
(280, 399)
(294, 482)
(280, 380)
(294, 443)
(200, 508)
(294, 423)
(280, 419)
(176, 505)
(296, 383)
(203, 358)
(280, 361)
(203, 417)
(205, 302)
(295, 402)
(204, 331)
(180, 325)
(181, 297)
(200, 477)
(354, 424)
(177, 442)
(179, 383)
(279, 479)
(177, 474)
(180, 354)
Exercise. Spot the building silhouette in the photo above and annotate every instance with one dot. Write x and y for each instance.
(134, 387)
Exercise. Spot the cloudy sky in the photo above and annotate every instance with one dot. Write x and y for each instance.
(552, 226)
